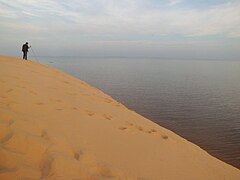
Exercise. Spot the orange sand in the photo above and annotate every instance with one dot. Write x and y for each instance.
(54, 126)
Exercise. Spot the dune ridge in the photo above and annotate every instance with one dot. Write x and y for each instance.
(55, 126)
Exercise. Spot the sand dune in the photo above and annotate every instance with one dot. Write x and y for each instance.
(54, 126)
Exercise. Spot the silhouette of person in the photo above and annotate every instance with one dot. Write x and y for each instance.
(25, 48)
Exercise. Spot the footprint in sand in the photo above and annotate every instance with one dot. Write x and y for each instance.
(23, 87)
(3, 96)
(90, 113)
(108, 100)
(118, 105)
(66, 82)
(139, 128)
(6, 137)
(74, 108)
(164, 137)
(129, 123)
(46, 166)
(122, 128)
(152, 131)
(8, 170)
(32, 92)
(44, 134)
(59, 109)
(10, 123)
(77, 155)
(105, 171)
(39, 103)
(6, 119)
(108, 117)
(9, 90)
(12, 140)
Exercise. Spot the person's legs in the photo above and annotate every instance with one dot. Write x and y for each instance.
(25, 55)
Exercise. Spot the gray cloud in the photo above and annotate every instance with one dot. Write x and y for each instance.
(101, 16)
(135, 24)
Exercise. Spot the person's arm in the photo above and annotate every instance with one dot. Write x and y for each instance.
(28, 47)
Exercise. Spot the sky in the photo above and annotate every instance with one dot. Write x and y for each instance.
(200, 29)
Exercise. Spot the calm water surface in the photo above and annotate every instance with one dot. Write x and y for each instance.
(199, 100)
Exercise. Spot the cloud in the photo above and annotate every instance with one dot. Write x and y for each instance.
(219, 20)
(123, 18)
(25, 27)
(174, 2)
(7, 14)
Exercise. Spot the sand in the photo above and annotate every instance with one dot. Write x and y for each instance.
(54, 126)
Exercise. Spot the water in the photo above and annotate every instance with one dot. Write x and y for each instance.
(199, 100)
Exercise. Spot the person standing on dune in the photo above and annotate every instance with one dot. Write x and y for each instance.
(25, 48)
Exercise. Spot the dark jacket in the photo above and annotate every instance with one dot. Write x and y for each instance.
(25, 48)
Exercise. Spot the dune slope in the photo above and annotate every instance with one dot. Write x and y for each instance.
(54, 126)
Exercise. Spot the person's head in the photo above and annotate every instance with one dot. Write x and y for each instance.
(26, 42)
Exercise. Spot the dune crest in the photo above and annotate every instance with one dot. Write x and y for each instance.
(54, 126)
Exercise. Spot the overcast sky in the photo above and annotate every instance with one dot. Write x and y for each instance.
(155, 28)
